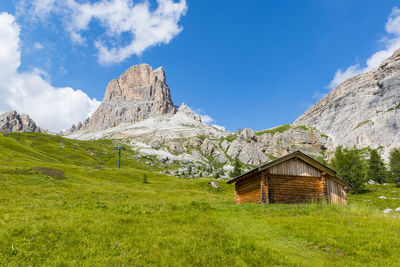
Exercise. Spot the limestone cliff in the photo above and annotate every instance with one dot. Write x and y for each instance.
(362, 111)
(13, 122)
(138, 94)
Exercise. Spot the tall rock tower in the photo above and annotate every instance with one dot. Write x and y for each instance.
(139, 93)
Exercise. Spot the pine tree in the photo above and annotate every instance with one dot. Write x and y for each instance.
(236, 169)
(350, 165)
(394, 159)
(376, 167)
(145, 181)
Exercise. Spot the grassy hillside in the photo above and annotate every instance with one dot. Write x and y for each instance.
(95, 215)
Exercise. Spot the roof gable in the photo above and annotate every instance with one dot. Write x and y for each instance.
(294, 167)
(295, 155)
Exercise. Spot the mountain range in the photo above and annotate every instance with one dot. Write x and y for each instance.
(137, 110)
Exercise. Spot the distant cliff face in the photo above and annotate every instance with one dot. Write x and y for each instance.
(138, 94)
(363, 111)
(13, 122)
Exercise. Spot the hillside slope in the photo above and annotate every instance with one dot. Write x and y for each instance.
(95, 215)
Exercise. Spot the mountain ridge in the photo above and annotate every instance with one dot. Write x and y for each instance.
(363, 111)
(13, 122)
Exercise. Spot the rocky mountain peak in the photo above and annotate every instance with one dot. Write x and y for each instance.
(13, 122)
(140, 83)
(188, 112)
(138, 94)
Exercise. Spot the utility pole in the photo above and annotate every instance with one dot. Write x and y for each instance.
(119, 148)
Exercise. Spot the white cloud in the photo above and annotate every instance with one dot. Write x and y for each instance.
(207, 119)
(29, 92)
(146, 27)
(222, 128)
(38, 46)
(391, 43)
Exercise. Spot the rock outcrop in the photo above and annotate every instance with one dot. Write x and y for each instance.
(248, 153)
(13, 122)
(138, 94)
(362, 111)
(254, 149)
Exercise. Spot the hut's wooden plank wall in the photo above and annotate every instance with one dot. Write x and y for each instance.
(295, 189)
(249, 190)
(295, 167)
(336, 192)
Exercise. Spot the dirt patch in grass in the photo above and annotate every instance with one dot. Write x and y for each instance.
(58, 174)
(98, 167)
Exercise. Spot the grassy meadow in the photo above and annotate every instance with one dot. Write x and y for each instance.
(71, 207)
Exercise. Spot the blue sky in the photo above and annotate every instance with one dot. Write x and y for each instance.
(254, 64)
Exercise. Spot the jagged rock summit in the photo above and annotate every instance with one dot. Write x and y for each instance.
(139, 103)
(138, 94)
(362, 111)
(13, 122)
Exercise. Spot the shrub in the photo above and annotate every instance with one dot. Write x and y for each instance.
(145, 181)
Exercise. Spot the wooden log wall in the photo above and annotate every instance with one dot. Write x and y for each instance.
(292, 181)
(296, 189)
(336, 192)
(248, 190)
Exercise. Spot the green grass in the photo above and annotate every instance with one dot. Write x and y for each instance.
(394, 108)
(92, 216)
(305, 128)
(279, 129)
(361, 124)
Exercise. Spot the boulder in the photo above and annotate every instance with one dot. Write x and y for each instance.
(208, 147)
(195, 142)
(221, 158)
(225, 145)
(213, 184)
(248, 134)
(176, 147)
(248, 153)
(387, 210)
(156, 144)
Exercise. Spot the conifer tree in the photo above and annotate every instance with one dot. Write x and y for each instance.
(376, 167)
(236, 169)
(350, 165)
(394, 164)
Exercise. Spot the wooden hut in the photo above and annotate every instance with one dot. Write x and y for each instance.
(294, 178)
